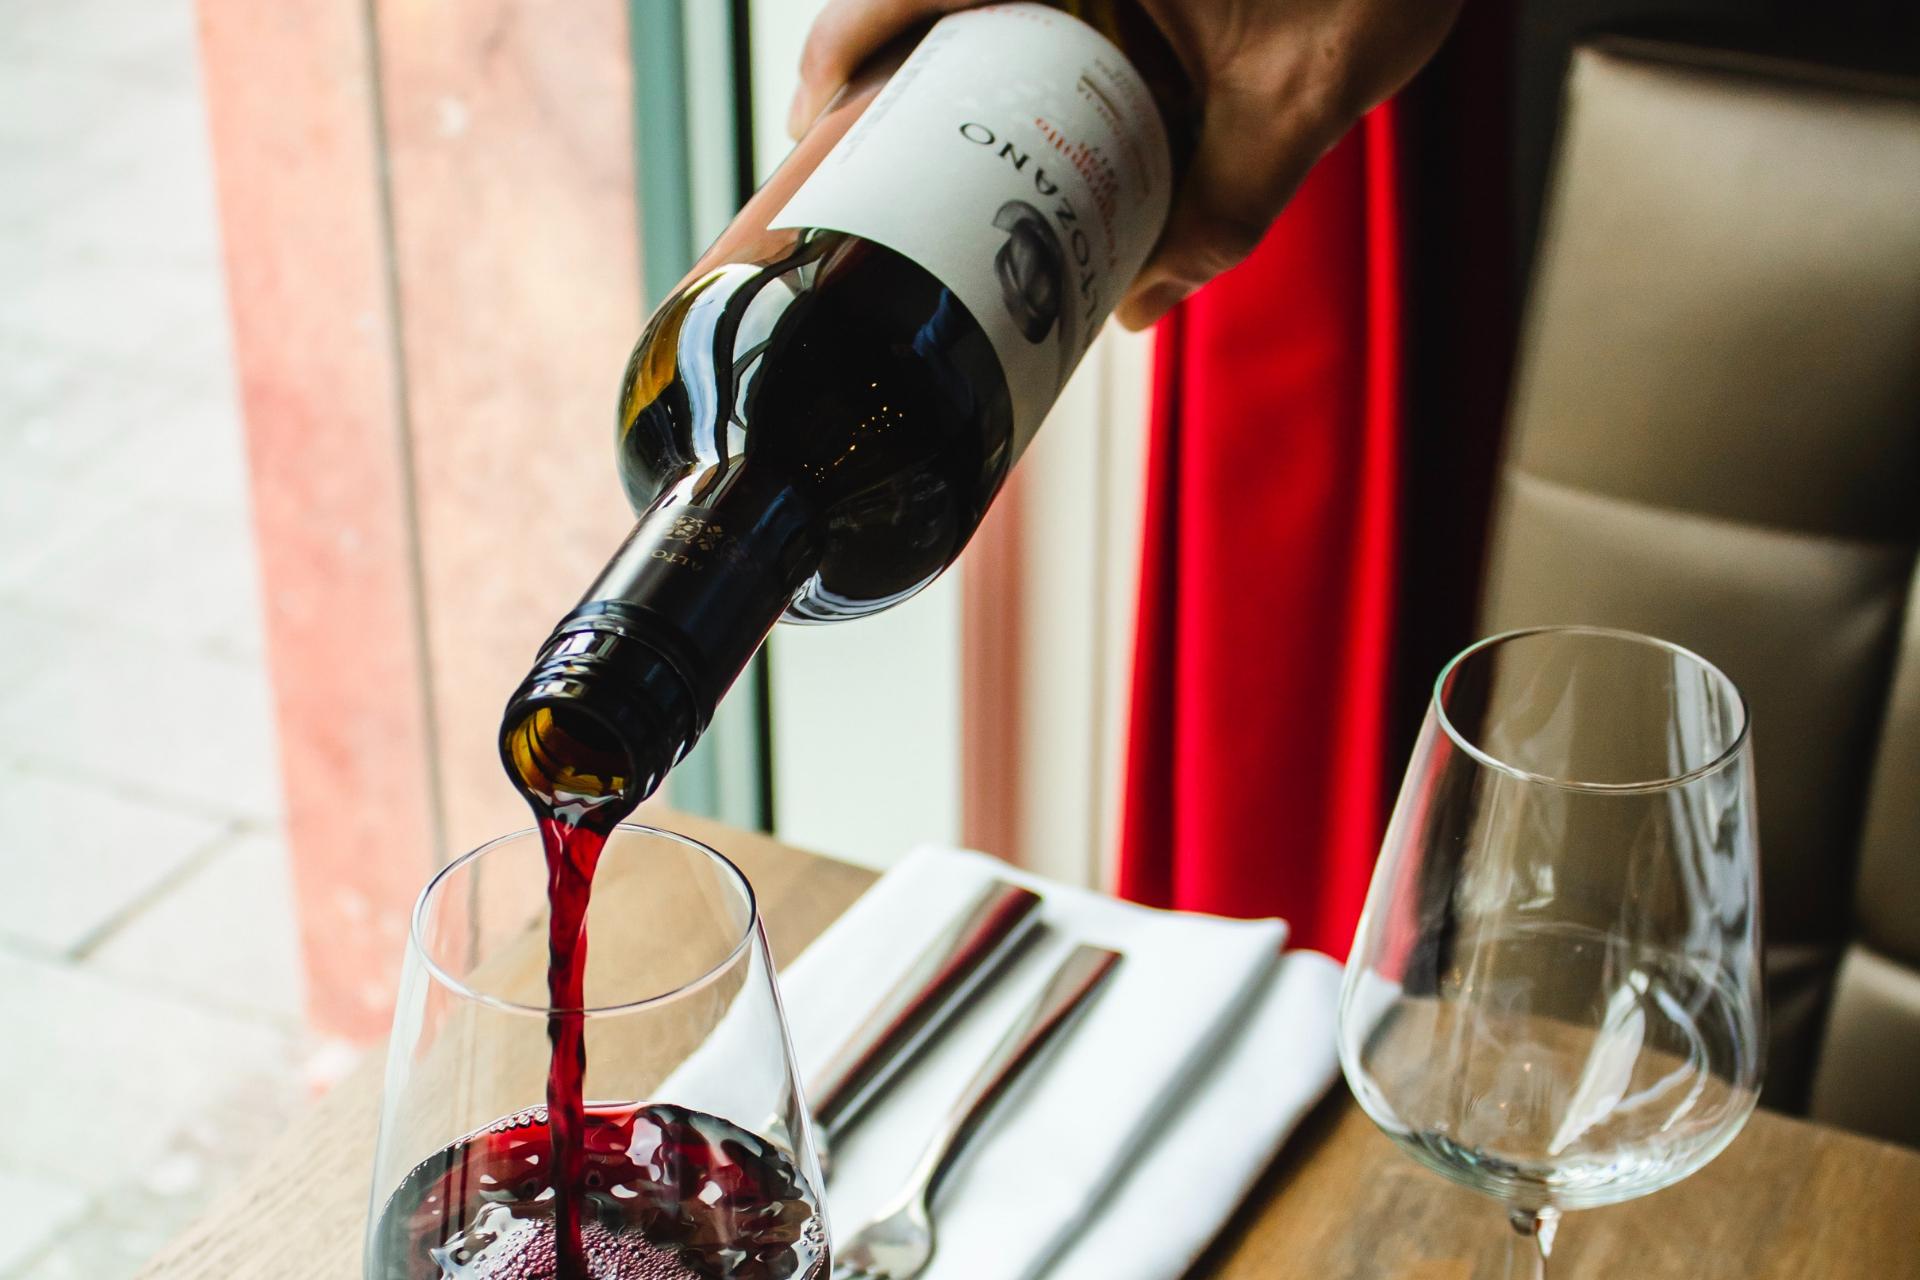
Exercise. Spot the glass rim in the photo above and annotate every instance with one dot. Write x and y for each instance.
(1726, 755)
(417, 921)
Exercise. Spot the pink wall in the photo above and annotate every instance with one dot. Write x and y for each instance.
(428, 372)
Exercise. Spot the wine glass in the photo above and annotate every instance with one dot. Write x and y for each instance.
(1553, 995)
(698, 1157)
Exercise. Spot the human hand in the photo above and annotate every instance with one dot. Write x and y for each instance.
(1280, 80)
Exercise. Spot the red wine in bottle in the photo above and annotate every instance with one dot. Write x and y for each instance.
(667, 1194)
(813, 424)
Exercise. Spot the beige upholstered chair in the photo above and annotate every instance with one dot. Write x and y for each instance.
(1715, 438)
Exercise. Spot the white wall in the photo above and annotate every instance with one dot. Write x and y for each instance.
(1081, 490)
(866, 730)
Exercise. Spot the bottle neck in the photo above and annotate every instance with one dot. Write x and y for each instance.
(629, 680)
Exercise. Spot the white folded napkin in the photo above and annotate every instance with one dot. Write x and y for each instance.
(1126, 1149)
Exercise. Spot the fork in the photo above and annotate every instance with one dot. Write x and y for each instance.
(898, 1243)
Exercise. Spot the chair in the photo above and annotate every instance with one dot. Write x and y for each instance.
(1715, 438)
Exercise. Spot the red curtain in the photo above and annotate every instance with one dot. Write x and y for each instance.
(1262, 674)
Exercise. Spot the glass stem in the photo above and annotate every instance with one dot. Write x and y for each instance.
(1531, 1242)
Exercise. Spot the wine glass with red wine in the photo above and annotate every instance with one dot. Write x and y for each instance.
(652, 1130)
(1554, 993)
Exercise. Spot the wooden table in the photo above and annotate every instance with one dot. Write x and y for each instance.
(1788, 1199)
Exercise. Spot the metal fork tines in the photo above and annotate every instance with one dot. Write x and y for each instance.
(898, 1243)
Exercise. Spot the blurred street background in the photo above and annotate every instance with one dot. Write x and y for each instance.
(150, 1002)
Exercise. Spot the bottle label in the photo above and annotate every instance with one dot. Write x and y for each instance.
(1019, 158)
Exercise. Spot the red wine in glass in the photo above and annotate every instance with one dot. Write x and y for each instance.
(665, 1193)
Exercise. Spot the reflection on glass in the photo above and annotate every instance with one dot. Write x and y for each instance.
(1554, 993)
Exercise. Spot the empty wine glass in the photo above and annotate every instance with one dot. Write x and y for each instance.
(698, 1155)
(1554, 993)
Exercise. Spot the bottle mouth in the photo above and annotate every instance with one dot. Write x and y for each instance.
(561, 752)
(599, 720)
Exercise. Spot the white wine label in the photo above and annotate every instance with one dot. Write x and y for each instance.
(1018, 157)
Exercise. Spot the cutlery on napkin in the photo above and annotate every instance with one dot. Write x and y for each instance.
(988, 932)
(1127, 1155)
(899, 1242)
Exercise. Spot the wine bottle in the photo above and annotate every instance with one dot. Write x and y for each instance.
(816, 420)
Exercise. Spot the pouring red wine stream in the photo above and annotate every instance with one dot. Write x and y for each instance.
(573, 849)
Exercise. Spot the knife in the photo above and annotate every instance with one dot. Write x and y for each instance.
(956, 964)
